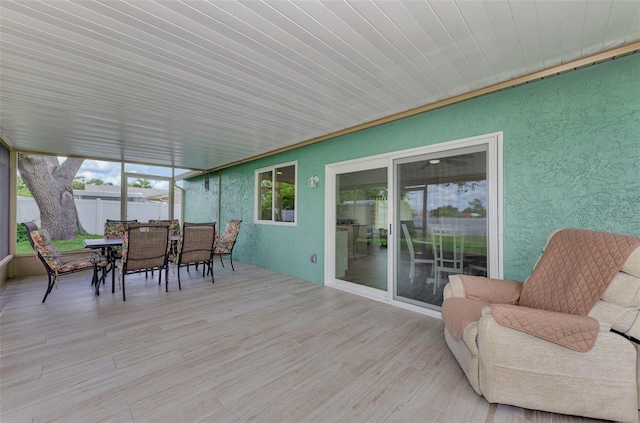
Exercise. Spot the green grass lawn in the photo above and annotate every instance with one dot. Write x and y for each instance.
(473, 244)
(23, 247)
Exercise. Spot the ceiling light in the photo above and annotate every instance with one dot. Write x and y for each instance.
(434, 161)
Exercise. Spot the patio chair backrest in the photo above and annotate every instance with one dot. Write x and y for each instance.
(145, 246)
(48, 252)
(30, 227)
(197, 241)
(174, 225)
(117, 228)
(231, 232)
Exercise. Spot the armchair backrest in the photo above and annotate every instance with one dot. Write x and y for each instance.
(145, 246)
(619, 305)
(575, 269)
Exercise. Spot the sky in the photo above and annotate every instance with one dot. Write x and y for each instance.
(109, 172)
(438, 195)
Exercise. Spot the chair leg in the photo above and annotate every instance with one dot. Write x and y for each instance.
(49, 287)
(231, 260)
(113, 277)
(95, 281)
(221, 262)
(178, 271)
(166, 277)
(210, 263)
(123, 277)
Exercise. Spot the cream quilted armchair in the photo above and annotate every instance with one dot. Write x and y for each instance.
(565, 341)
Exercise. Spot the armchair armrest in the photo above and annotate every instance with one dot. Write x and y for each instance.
(488, 290)
(576, 332)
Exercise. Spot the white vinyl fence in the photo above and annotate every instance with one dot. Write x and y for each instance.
(93, 213)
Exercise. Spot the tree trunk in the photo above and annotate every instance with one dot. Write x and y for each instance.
(51, 185)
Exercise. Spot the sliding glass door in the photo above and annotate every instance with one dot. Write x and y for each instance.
(399, 225)
(441, 209)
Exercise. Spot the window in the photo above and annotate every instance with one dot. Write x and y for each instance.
(97, 196)
(276, 194)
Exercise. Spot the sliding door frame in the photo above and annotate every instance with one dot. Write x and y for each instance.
(331, 172)
(494, 142)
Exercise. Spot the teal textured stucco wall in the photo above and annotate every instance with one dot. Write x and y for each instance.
(201, 205)
(571, 159)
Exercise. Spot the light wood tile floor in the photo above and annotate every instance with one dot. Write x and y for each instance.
(255, 346)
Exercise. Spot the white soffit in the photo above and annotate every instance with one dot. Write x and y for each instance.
(200, 84)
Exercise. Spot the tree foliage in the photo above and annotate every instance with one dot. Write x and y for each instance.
(141, 183)
(98, 182)
(23, 190)
(476, 208)
(78, 182)
(445, 211)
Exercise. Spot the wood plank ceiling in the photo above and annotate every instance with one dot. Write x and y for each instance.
(200, 84)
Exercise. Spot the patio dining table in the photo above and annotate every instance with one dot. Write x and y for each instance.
(107, 247)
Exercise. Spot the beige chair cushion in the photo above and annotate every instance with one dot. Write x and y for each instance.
(620, 304)
(632, 265)
(518, 369)
(624, 290)
(576, 269)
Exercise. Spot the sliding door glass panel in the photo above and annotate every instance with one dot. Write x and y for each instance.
(442, 222)
(361, 228)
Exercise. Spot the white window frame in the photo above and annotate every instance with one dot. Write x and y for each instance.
(256, 194)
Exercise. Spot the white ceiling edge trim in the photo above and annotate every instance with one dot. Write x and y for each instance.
(614, 53)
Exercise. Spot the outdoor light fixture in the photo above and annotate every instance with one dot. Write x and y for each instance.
(206, 183)
(313, 182)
